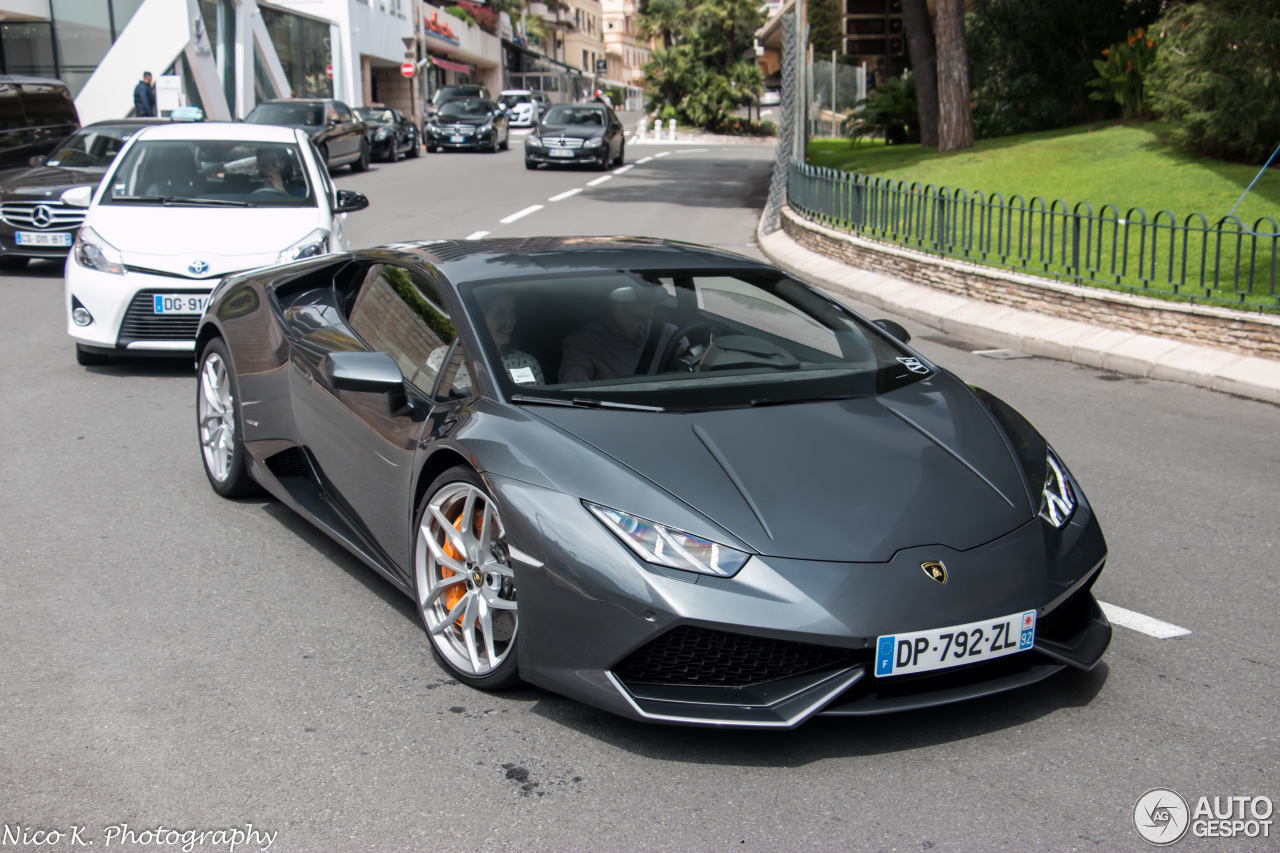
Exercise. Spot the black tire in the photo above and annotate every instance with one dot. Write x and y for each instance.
(493, 144)
(323, 150)
(415, 147)
(395, 152)
(431, 149)
(236, 481)
(506, 141)
(622, 154)
(603, 165)
(89, 358)
(13, 263)
(507, 673)
(529, 164)
(362, 162)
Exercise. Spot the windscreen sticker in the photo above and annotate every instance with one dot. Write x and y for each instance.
(913, 364)
(523, 375)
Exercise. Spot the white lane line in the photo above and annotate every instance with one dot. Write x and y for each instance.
(642, 162)
(621, 169)
(1138, 622)
(563, 196)
(520, 214)
(692, 150)
(662, 154)
(600, 180)
(479, 235)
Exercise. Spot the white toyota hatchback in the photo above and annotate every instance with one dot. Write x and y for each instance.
(181, 207)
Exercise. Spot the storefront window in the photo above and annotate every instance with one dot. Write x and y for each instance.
(28, 49)
(83, 30)
(303, 46)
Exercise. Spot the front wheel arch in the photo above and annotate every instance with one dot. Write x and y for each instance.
(436, 464)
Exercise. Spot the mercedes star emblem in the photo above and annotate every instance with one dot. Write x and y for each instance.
(41, 217)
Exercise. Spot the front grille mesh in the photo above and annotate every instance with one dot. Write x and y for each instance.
(55, 217)
(701, 656)
(460, 129)
(141, 323)
(561, 142)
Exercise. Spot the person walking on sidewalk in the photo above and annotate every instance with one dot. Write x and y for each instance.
(144, 97)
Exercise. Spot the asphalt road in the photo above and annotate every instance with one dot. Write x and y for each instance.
(171, 659)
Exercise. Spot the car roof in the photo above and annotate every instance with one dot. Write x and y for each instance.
(462, 261)
(221, 131)
(516, 92)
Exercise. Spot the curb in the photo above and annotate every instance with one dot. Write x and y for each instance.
(1093, 345)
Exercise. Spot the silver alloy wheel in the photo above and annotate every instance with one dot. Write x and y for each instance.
(466, 589)
(217, 417)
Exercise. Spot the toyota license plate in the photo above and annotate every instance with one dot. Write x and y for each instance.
(34, 238)
(457, 138)
(942, 648)
(557, 152)
(179, 303)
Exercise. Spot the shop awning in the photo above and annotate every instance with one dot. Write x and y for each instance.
(451, 65)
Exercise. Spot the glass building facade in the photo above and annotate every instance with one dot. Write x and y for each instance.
(70, 45)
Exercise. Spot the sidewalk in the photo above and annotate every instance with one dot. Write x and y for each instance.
(1109, 348)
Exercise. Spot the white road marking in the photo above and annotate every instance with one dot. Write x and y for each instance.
(479, 235)
(691, 151)
(642, 162)
(662, 154)
(1138, 622)
(600, 180)
(621, 169)
(563, 196)
(520, 214)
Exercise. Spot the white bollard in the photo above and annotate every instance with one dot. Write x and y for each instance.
(657, 129)
(671, 130)
(644, 125)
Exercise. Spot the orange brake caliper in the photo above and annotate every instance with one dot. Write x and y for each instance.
(453, 594)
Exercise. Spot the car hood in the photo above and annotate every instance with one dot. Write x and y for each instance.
(474, 120)
(849, 480)
(573, 131)
(227, 239)
(48, 182)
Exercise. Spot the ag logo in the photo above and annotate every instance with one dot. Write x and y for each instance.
(1161, 816)
(913, 364)
(935, 570)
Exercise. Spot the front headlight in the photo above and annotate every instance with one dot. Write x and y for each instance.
(315, 243)
(666, 546)
(93, 252)
(532, 142)
(382, 133)
(595, 142)
(1058, 499)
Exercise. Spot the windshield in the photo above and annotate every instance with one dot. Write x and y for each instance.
(91, 146)
(375, 115)
(563, 114)
(235, 174)
(680, 340)
(304, 115)
(467, 108)
(447, 93)
(509, 100)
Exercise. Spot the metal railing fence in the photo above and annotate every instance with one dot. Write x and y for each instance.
(1224, 262)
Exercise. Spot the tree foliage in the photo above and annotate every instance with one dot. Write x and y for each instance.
(700, 72)
(1122, 73)
(1030, 63)
(826, 27)
(1217, 77)
(891, 110)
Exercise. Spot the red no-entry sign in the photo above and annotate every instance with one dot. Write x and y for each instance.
(408, 69)
(328, 71)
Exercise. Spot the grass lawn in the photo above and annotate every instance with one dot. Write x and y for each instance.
(1125, 165)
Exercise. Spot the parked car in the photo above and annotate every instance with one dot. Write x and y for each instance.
(523, 110)
(34, 221)
(338, 134)
(577, 134)
(36, 113)
(182, 206)
(452, 93)
(390, 133)
(773, 509)
(468, 123)
(770, 98)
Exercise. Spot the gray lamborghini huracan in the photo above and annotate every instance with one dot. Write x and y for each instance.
(666, 480)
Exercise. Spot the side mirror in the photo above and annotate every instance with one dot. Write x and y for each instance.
(894, 329)
(350, 201)
(373, 372)
(77, 196)
(37, 160)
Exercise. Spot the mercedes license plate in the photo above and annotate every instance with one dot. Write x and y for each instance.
(35, 238)
(941, 648)
(179, 303)
(559, 152)
(457, 138)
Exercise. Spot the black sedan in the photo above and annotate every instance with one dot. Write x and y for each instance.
(34, 222)
(666, 480)
(338, 134)
(476, 123)
(577, 134)
(391, 135)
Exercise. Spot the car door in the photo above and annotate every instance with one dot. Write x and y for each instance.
(351, 129)
(613, 133)
(364, 450)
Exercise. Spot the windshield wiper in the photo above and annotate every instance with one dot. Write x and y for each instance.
(585, 403)
(173, 200)
(782, 401)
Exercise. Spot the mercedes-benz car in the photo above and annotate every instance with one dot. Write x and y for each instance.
(577, 134)
(338, 134)
(666, 480)
(463, 123)
(390, 133)
(34, 221)
(182, 206)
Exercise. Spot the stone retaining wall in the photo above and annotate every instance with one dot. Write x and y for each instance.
(1250, 334)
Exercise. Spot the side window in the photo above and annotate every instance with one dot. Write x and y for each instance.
(323, 169)
(331, 115)
(344, 114)
(457, 376)
(400, 313)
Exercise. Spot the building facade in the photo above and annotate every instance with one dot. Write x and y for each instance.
(627, 51)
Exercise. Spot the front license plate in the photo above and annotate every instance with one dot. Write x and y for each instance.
(457, 139)
(33, 238)
(941, 648)
(179, 303)
(555, 152)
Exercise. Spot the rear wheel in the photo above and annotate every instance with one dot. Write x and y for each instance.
(622, 154)
(89, 358)
(220, 425)
(362, 162)
(464, 584)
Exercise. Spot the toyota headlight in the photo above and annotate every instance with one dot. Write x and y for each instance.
(594, 142)
(93, 252)
(1058, 500)
(315, 243)
(666, 546)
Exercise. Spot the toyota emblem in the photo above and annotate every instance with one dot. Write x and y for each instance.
(197, 267)
(42, 216)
